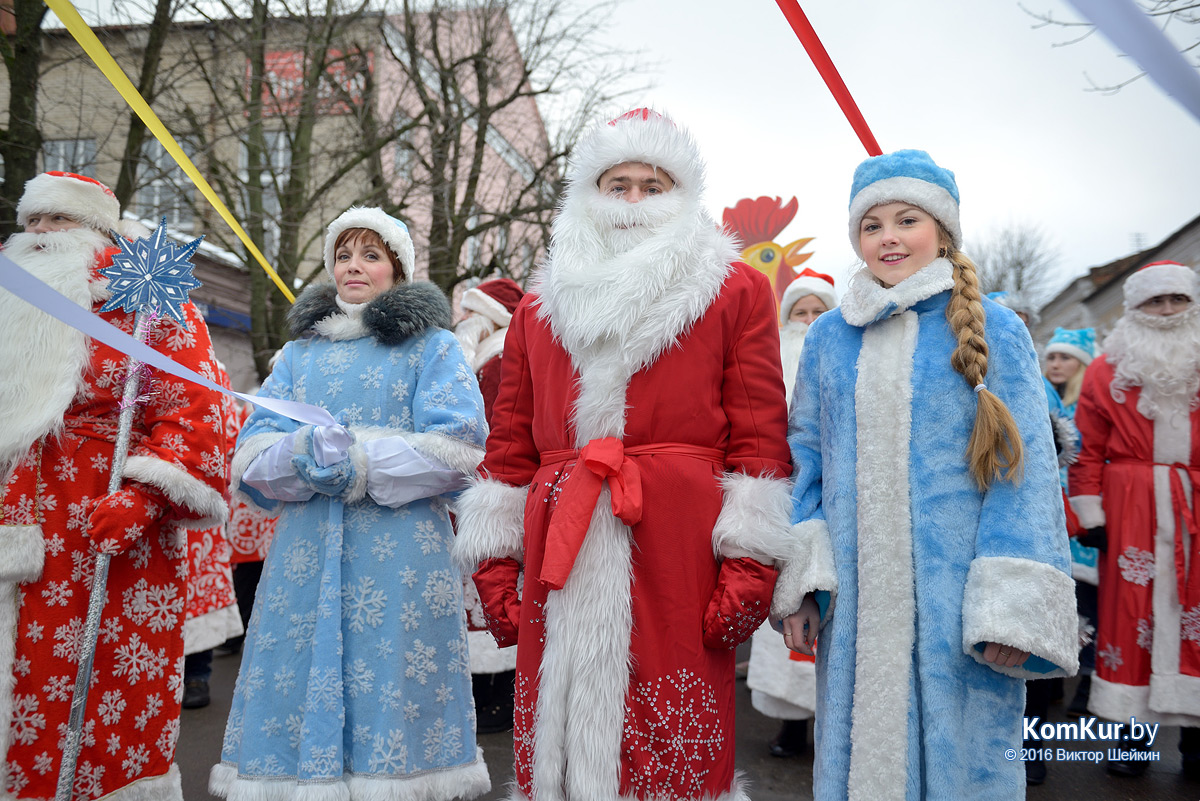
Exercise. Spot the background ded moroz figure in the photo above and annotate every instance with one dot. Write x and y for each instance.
(59, 405)
(354, 681)
(926, 493)
(651, 554)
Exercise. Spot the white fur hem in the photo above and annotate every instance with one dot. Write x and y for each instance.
(754, 520)
(22, 553)
(1024, 604)
(166, 787)
(182, 488)
(1114, 701)
(1088, 509)
(460, 781)
(487, 656)
(490, 522)
(211, 629)
(809, 568)
(1176, 694)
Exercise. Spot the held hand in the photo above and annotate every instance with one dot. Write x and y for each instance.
(332, 481)
(118, 520)
(800, 629)
(1094, 538)
(1004, 655)
(739, 604)
(496, 582)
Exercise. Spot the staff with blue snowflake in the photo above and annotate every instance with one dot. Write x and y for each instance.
(355, 674)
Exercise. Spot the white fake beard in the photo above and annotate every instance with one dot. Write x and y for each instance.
(470, 332)
(793, 333)
(622, 226)
(43, 359)
(1159, 354)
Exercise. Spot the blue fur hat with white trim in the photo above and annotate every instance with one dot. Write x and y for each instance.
(1077, 342)
(906, 176)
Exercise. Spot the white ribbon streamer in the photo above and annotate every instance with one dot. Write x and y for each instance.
(31, 290)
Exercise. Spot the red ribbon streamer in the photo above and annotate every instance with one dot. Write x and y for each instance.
(824, 64)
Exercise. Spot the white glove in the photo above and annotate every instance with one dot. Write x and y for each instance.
(397, 474)
(272, 474)
(330, 444)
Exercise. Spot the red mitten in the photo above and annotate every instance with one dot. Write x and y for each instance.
(740, 602)
(118, 520)
(496, 581)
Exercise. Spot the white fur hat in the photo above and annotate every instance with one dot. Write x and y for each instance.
(83, 199)
(809, 282)
(641, 135)
(906, 176)
(393, 232)
(1159, 278)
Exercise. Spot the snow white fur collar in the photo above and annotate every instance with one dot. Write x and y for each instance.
(401, 312)
(641, 301)
(868, 301)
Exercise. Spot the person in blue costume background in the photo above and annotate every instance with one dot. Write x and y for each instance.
(355, 679)
(927, 504)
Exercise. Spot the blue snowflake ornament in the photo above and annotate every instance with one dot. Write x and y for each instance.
(151, 274)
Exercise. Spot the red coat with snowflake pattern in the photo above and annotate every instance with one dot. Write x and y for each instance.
(178, 447)
(1137, 477)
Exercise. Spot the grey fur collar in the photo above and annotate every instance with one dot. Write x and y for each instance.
(403, 311)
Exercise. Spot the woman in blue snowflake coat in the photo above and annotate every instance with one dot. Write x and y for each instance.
(355, 680)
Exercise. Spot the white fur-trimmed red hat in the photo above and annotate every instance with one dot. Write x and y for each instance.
(83, 199)
(1159, 278)
(393, 232)
(809, 282)
(496, 300)
(642, 135)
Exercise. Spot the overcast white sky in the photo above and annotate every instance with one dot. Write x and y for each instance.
(970, 82)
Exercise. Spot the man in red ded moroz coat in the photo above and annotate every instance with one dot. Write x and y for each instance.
(1136, 479)
(636, 473)
(60, 400)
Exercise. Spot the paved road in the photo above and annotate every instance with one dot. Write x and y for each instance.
(770, 779)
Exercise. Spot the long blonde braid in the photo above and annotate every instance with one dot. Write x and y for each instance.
(994, 450)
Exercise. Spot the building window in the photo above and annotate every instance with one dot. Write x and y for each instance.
(70, 155)
(165, 189)
(277, 164)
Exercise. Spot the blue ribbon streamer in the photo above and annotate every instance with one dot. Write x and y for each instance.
(31, 290)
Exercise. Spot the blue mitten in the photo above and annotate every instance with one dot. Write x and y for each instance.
(332, 480)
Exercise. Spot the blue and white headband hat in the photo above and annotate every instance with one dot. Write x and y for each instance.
(1077, 342)
(393, 232)
(906, 176)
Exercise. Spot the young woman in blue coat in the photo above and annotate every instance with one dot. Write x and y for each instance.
(928, 508)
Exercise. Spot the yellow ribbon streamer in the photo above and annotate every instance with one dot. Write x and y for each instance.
(92, 46)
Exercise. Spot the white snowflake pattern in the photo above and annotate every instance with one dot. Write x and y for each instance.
(154, 605)
(336, 360)
(390, 696)
(360, 679)
(33, 631)
(167, 738)
(428, 537)
(285, 680)
(66, 470)
(27, 722)
(1145, 633)
(411, 711)
(135, 760)
(297, 729)
(1110, 655)
(384, 547)
(438, 396)
(100, 463)
(363, 605)
(371, 378)
(215, 417)
(87, 780)
(361, 516)
(300, 562)
(443, 742)
(153, 707)
(401, 391)
(390, 755)
(384, 649)
(335, 387)
(302, 629)
(362, 734)
(324, 690)
(444, 694)
(321, 762)
(136, 658)
(67, 638)
(277, 601)
(272, 727)
(43, 762)
(410, 616)
(140, 553)
(57, 593)
(1137, 566)
(442, 593)
(674, 722)
(213, 463)
(420, 662)
(233, 735)
(460, 656)
(252, 681)
(1189, 624)
(111, 707)
(59, 688)
(55, 545)
(408, 577)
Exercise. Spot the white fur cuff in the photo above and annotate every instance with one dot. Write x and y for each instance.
(1088, 509)
(182, 489)
(490, 518)
(22, 553)
(1024, 604)
(810, 568)
(358, 485)
(754, 520)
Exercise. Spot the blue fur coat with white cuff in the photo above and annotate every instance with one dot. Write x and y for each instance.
(913, 565)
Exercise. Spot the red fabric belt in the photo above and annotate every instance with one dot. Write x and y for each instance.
(599, 461)
(1187, 581)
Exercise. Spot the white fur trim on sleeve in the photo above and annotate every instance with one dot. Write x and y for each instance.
(22, 553)
(490, 518)
(809, 568)
(1088, 509)
(755, 519)
(181, 488)
(453, 453)
(358, 485)
(1024, 604)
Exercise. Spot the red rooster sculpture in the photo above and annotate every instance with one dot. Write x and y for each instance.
(756, 223)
